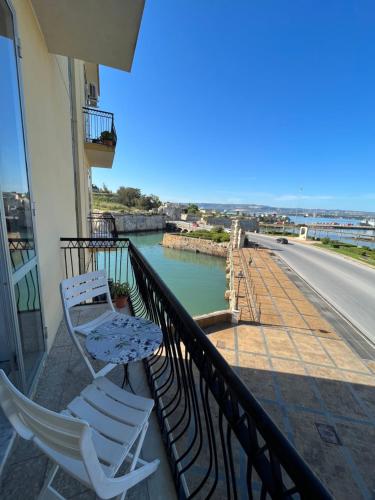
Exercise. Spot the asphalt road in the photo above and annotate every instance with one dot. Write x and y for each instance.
(347, 286)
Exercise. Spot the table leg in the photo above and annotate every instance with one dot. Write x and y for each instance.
(126, 380)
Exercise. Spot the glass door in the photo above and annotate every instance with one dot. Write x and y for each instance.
(21, 330)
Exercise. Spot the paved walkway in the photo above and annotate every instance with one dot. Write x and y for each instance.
(316, 388)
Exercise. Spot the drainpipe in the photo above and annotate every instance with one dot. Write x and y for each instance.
(75, 156)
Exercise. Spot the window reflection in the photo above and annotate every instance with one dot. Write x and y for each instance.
(13, 171)
(30, 321)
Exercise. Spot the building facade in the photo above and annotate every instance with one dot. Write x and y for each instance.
(52, 134)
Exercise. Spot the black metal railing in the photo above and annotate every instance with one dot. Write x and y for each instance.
(99, 126)
(220, 441)
(102, 226)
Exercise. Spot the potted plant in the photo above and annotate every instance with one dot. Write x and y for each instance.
(107, 138)
(121, 292)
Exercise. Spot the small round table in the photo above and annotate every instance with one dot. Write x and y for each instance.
(122, 340)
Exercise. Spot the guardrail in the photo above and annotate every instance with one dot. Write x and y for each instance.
(99, 126)
(219, 440)
(102, 226)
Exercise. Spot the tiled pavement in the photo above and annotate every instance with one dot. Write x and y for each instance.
(305, 374)
(63, 377)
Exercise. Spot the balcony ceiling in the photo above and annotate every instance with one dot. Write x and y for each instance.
(102, 32)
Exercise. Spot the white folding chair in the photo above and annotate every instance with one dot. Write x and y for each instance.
(90, 440)
(78, 289)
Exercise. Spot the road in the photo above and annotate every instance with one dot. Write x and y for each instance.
(346, 285)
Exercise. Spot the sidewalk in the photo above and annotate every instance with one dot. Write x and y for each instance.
(317, 389)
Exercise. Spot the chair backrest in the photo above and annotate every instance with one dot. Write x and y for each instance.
(68, 441)
(85, 287)
(52, 432)
(76, 290)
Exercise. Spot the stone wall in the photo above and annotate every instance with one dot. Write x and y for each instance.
(214, 318)
(129, 223)
(195, 245)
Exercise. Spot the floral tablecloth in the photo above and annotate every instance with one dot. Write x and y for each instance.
(124, 339)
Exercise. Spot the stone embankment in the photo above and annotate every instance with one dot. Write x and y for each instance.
(131, 223)
(196, 245)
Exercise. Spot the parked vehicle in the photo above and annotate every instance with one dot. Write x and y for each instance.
(283, 241)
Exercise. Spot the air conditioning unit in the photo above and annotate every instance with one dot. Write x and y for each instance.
(92, 95)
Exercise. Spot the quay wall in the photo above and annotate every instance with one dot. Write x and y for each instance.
(131, 223)
(208, 247)
(214, 318)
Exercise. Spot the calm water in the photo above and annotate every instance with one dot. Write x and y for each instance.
(297, 219)
(197, 280)
(359, 237)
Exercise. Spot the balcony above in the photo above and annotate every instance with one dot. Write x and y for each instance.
(100, 137)
(91, 30)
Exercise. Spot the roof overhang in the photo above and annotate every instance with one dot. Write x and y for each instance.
(99, 31)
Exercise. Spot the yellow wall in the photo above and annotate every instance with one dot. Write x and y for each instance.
(48, 131)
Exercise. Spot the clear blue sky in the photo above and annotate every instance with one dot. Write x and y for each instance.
(248, 101)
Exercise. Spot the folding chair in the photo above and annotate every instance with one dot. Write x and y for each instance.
(90, 440)
(78, 289)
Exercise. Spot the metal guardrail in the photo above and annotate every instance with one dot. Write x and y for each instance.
(220, 441)
(102, 226)
(99, 126)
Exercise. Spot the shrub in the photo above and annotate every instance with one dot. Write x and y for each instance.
(326, 241)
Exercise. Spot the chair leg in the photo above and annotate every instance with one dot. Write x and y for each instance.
(135, 456)
(139, 447)
(47, 492)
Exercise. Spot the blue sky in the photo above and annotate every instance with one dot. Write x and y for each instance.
(248, 101)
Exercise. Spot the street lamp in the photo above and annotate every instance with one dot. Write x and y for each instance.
(240, 275)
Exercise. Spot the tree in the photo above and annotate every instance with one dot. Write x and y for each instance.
(128, 196)
(148, 202)
(105, 189)
(192, 208)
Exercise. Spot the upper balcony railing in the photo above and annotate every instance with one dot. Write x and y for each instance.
(102, 226)
(220, 441)
(99, 127)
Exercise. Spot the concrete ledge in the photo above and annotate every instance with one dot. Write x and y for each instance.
(214, 318)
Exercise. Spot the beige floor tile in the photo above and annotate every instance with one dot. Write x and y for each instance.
(260, 382)
(310, 349)
(256, 361)
(229, 356)
(279, 344)
(343, 356)
(223, 339)
(288, 366)
(324, 372)
(326, 460)
(360, 378)
(250, 339)
(293, 320)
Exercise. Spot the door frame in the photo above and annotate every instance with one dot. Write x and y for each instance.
(6, 275)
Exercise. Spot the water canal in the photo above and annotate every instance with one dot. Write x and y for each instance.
(197, 280)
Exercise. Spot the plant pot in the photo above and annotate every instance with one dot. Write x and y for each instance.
(107, 142)
(121, 302)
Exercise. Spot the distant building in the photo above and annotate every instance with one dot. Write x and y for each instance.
(190, 217)
(172, 210)
(248, 224)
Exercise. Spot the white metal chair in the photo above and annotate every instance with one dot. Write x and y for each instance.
(90, 440)
(78, 289)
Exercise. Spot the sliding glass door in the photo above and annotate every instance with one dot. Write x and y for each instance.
(21, 325)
